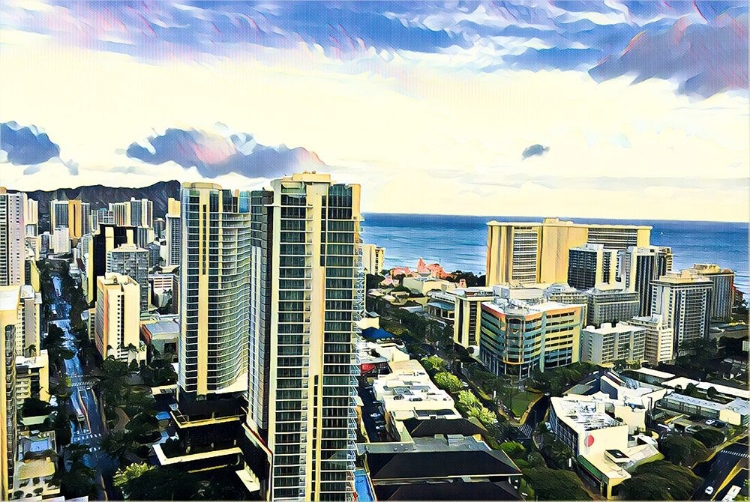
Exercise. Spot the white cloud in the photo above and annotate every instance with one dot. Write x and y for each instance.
(418, 137)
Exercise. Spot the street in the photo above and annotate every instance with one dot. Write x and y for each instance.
(716, 470)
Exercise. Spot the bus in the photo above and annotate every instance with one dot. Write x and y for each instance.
(732, 493)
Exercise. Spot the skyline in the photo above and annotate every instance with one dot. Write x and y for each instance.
(468, 109)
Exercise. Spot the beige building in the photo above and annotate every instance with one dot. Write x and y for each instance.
(424, 284)
(31, 303)
(32, 377)
(467, 317)
(591, 265)
(722, 292)
(659, 347)
(538, 252)
(12, 242)
(118, 317)
(173, 233)
(373, 258)
(10, 308)
(608, 343)
(72, 214)
(683, 299)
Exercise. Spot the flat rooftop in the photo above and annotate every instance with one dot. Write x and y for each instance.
(683, 382)
(582, 415)
(607, 328)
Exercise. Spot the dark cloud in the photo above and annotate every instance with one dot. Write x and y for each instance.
(534, 150)
(26, 145)
(214, 155)
(704, 58)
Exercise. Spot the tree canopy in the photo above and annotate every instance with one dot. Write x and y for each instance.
(660, 480)
(447, 381)
(709, 437)
(551, 484)
(683, 450)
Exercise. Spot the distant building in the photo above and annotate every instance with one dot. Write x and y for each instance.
(639, 267)
(610, 306)
(60, 241)
(722, 291)
(12, 232)
(121, 213)
(159, 226)
(154, 254)
(468, 314)
(517, 337)
(536, 252)
(173, 232)
(106, 239)
(31, 217)
(590, 265)
(659, 346)
(29, 334)
(144, 236)
(373, 258)
(141, 213)
(162, 333)
(117, 317)
(72, 214)
(132, 261)
(684, 301)
(165, 289)
(424, 284)
(610, 343)
(736, 412)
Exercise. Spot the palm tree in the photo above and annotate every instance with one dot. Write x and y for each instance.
(31, 350)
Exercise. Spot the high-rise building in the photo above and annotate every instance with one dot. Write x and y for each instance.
(683, 299)
(117, 321)
(215, 292)
(638, 267)
(121, 213)
(130, 260)
(174, 232)
(73, 214)
(468, 314)
(9, 316)
(518, 337)
(144, 236)
(610, 306)
(154, 254)
(59, 242)
(28, 336)
(612, 342)
(102, 216)
(159, 226)
(307, 295)
(88, 279)
(141, 213)
(659, 346)
(722, 292)
(107, 239)
(532, 252)
(12, 233)
(590, 265)
(32, 377)
(31, 217)
(373, 258)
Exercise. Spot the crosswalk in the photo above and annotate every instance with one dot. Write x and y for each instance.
(737, 453)
(88, 435)
(526, 430)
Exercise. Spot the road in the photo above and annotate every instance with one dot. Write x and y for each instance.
(716, 470)
(536, 415)
(87, 425)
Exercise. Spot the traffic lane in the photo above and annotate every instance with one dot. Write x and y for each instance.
(738, 480)
(369, 407)
(716, 470)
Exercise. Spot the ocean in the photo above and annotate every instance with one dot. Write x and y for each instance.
(459, 242)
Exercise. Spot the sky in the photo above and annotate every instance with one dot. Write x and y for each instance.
(609, 108)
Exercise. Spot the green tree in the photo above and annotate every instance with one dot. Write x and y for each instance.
(683, 450)
(709, 437)
(513, 449)
(550, 484)
(447, 381)
(34, 407)
(660, 480)
(433, 364)
(123, 476)
(482, 414)
(163, 483)
(467, 399)
(711, 393)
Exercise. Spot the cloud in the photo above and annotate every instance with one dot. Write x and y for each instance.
(26, 145)
(534, 150)
(216, 154)
(704, 59)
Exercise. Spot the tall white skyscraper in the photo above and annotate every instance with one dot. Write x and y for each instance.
(307, 294)
(141, 213)
(214, 291)
(12, 237)
(31, 217)
(639, 267)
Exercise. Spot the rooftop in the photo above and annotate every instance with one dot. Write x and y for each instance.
(683, 382)
(440, 465)
(583, 415)
(607, 328)
(556, 222)
(518, 307)
(9, 296)
(456, 490)
(655, 373)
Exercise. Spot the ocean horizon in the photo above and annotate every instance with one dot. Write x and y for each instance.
(459, 242)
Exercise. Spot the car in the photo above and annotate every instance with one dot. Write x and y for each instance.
(375, 415)
(709, 490)
(380, 428)
(465, 385)
(720, 424)
(710, 421)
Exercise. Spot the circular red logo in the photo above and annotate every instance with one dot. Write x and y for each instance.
(589, 440)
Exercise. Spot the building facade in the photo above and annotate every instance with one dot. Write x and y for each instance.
(639, 267)
(173, 232)
(130, 260)
(9, 314)
(118, 316)
(518, 338)
(684, 302)
(722, 292)
(659, 346)
(373, 258)
(612, 342)
(538, 252)
(308, 286)
(214, 287)
(12, 232)
(590, 265)
(467, 318)
(610, 306)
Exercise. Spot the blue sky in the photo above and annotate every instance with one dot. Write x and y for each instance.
(483, 108)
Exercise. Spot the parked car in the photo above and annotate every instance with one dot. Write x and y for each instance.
(710, 421)
(709, 490)
(380, 428)
(375, 415)
(720, 424)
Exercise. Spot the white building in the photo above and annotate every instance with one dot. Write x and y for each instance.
(467, 317)
(659, 345)
(610, 343)
(32, 377)
(31, 303)
(12, 232)
(59, 242)
(373, 258)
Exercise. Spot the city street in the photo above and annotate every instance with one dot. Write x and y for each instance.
(716, 470)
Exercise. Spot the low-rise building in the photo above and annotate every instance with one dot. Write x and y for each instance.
(736, 412)
(518, 337)
(611, 306)
(161, 332)
(424, 284)
(36, 464)
(581, 423)
(612, 342)
(441, 305)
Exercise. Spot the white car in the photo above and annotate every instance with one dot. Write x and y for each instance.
(709, 490)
